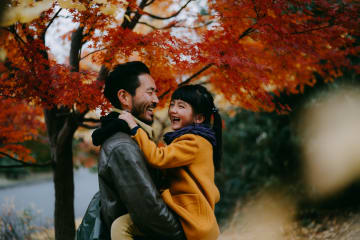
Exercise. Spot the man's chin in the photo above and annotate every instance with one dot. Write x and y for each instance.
(147, 120)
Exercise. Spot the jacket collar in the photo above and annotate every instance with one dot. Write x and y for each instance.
(148, 129)
(202, 130)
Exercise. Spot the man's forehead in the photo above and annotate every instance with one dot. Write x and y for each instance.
(146, 81)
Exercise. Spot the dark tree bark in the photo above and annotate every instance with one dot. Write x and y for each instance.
(61, 130)
(61, 125)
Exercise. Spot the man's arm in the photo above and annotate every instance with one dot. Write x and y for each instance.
(138, 193)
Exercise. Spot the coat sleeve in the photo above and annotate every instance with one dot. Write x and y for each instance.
(180, 152)
(138, 193)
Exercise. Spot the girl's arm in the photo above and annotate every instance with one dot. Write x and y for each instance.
(179, 153)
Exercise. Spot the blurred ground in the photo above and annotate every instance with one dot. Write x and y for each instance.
(275, 217)
(330, 226)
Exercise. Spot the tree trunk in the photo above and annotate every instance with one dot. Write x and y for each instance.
(61, 127)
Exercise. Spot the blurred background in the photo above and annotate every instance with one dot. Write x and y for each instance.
(284, 74)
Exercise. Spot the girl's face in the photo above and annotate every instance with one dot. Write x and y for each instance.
(181, 114)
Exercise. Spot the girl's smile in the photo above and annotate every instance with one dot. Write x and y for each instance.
(180, 113)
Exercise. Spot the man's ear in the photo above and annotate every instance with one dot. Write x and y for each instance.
(199, 118)
(125, 99)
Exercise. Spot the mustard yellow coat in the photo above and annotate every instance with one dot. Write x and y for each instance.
(192, 193)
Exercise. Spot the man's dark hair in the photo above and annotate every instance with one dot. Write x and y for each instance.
(123, 76)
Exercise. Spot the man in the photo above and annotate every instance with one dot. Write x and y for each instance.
(124, 180)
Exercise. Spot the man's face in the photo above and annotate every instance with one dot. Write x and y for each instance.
(145, 99)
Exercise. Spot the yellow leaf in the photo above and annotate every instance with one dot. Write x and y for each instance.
(24, 13)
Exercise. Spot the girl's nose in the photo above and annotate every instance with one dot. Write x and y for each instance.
(172, 109)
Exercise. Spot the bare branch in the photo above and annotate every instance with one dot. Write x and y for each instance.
(173, 15)
(188, 79)
(196, 74)
(149, 25)
(126, 21)
(75, 49)
(23, 164)
(256, 9)
(12, 30)
(138, 15)
(98, 50)
(246, 32)
(313, 29)
(196, 27)
(149, 3)
(174, 26)
(51, 21)
(155, 28)
(61, 16)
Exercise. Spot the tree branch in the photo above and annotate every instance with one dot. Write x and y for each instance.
(127, 19)
(51, 21)
(246, 32)
(188, 79)
(12, 30)
(174, 26)
(314, 29)
(256, 9)
(196, 74)
(138, 15)
(173, 15)
(75, 49)
(149, 3)
(156, 28)
(23, 164)
(196, 27)
(98, 50)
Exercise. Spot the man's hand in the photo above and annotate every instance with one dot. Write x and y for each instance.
(128, 117)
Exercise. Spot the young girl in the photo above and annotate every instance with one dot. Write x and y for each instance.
(192, 154)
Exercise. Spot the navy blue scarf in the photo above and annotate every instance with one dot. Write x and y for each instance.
(202, 130)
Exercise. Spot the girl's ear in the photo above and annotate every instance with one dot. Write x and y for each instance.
(124, 99)
(199, 118)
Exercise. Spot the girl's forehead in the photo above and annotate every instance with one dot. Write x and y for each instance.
(179, 101)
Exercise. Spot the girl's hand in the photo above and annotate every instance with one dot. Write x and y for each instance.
(128, 117)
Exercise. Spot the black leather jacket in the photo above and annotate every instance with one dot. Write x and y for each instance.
(127, 186)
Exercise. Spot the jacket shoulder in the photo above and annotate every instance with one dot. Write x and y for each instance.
(118, 145)
(116, 140)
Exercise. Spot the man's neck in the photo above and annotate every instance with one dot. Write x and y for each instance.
(147, 128)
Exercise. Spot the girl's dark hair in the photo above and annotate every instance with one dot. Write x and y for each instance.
(202, 102)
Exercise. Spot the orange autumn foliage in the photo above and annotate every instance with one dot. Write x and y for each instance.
(249, 48)
(268, 46)
(19, 122)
